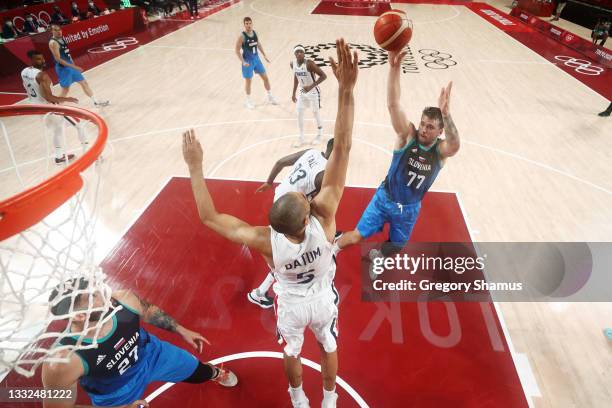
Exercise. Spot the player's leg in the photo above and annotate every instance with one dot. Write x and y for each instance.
(301, 105)
(87, 89)
(316, 106)
(259, 295)
(261, 71)
(79, 125)
(247, 74)
(402, 219)
(324, 325)
(290, 324)
(329, 371)
(55, 124)
(64, 91)
(372, 221)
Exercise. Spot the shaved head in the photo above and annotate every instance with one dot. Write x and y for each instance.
(289, 213)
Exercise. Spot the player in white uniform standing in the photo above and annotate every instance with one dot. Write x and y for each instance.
(298, 243)
(305, 177)
(37, 84)
(304, 71)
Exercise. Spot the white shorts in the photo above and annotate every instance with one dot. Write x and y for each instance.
(319, 314)
(310, 100)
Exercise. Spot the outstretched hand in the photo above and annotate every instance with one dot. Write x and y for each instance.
(263, 187)
(347, 67)
(195, 339)
(192, 150)
(396, 58)
(444, 99)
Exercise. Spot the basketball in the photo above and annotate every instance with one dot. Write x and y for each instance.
(393, 30)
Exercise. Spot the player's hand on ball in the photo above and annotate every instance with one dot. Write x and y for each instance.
(444, 99)
(139, 404)
(347, 67)
(192, 150)
(265, 186)
(193, 338)
(396, 58)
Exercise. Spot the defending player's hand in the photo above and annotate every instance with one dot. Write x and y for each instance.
(444, 99)
(71, 99)
(192, 150)
(347, 67)
(264, 187)
(193, 338)
(396, 58)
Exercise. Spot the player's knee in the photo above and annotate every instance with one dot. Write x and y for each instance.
(202, 373)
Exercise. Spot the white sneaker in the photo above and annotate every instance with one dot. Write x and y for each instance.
(226, 378)
(374, 254)
(330, 402)
(298, 143)
(301, 401)
(262, 301)
(249, 104)
(318, 139)
(272, 100)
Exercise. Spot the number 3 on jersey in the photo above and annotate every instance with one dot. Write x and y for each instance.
(297, 175)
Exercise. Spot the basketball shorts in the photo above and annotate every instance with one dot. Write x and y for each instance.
(161, 361)
(400, 217)
(68, 75)
(319, 314)
(255, 65)
(311, 99)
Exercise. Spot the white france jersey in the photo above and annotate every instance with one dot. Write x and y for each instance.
(305, 78)
(306, 269)
(32, 87)
(301, 178)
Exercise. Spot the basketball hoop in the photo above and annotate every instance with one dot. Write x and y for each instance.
(47, 241)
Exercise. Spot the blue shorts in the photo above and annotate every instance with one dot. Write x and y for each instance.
(161, 361)
(254, 65)
(381, 210)
(68, 75)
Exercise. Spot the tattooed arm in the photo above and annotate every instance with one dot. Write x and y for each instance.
(450, 146)
(155, 316)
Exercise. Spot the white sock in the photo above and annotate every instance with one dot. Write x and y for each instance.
(301, 123)
(265, 285)
(248, 98)
(296, 394)
(270, 93)
(59, 152)
(57, 141)
(93, 99)
(329, 394)
(81, 132)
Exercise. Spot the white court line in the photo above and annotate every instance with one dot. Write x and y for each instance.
(494, 61)
(270, 354)
(188, 48)
(13, 93)
(525, 373)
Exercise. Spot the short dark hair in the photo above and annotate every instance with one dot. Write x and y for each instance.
(286, 215)
(65, 304)
(244, 20)
(32, 53)
(55, 24)
(434, 113)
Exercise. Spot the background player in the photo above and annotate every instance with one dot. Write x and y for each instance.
(67, 72)
(304, 71)
(297, 244)
(418, 156)
(250, 45)
(305, 177)
(144, 358)
(37, 84)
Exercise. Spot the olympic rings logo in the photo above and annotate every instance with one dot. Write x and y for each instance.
(120, 43)
(437, 60)
(581, 66)
(43, 19)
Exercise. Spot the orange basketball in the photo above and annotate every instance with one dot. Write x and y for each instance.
(393, 30)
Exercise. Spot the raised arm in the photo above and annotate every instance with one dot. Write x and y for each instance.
(278, 166)
(326, 202)
(450, 145)
(404, 129)
(228, 226)
(44, 81)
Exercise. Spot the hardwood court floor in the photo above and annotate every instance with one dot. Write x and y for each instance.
(534, 163)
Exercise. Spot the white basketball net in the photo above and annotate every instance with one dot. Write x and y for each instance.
(50, 253)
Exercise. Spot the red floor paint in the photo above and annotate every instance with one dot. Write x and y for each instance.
(392, 354)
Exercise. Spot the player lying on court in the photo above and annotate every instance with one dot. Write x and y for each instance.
(298, 243)
(306, 177)
(37, 84)
(304, 72)
(418, 156)
(120, 382)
